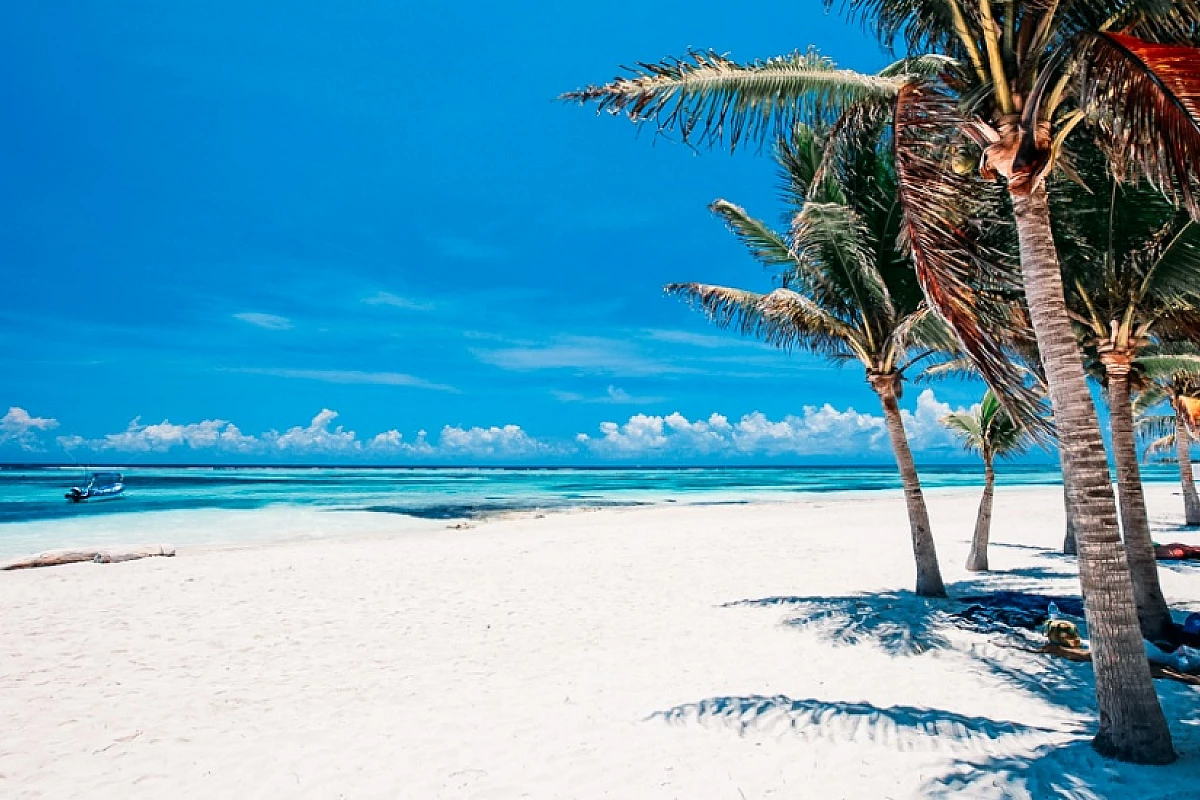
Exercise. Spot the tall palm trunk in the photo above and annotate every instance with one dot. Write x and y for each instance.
(977, 561)
(929, 574)
(1070, 545)
(1132, 725)
(1183, 454)
(1153, 614)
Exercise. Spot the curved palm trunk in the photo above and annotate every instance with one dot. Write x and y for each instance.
(1070, 546)
(929, 574)
(1153, 614)
(1183, 454)
(977, 561)
(1132, 725)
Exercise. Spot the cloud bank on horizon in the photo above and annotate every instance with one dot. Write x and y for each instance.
(816, 431)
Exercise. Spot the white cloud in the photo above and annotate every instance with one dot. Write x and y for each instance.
(822, 430)
(214, 434)
(924, 427)
(421, 447)
(612, 395)
(509, 441)
(396, 301)
(674, 433)
(317, 437)
(321, 437)
(21, 428)
(815, 431)
(585, 354)
(352, 377)
(269, 321)
(386, 441)
(706, 340)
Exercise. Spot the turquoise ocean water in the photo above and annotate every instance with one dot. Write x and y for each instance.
(34, 512)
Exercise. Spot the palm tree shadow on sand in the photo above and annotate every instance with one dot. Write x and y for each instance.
(907, 727)
(1071, 771)
(1183, 567)
(901, 623)
(1021, 764)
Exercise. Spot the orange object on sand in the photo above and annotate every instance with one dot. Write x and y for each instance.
(1176, 552)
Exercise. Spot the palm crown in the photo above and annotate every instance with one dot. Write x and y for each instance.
(845, 291)
(1132, 267)
(989, 430)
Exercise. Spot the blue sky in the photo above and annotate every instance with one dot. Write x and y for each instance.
(257, 214)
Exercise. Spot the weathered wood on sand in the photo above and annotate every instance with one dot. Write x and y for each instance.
(54, 558)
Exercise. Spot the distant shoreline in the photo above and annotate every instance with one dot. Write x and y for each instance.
(509, 467)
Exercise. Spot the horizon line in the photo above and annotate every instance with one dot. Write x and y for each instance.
(227, 465)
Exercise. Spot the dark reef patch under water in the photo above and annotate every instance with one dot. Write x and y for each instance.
(36, 493)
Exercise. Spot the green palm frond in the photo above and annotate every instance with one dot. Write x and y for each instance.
(1006, 437)
(767, 246)
(965, 424)
(921, 25)
(846, 291)
(711, 99)
(800, 155)
(790, 319)
(1101, 225)
(928, 65)
(924, 328)
(1148, 398)
(1174, 265)
(782, 317)
(855, 156)
(989, 430)
(1168, 366)
(961, 367)
(1159, 20)
(833, 248)
(1131, 258)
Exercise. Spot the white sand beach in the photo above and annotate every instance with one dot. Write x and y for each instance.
(729, 651)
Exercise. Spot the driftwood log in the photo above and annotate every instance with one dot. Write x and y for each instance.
(53, 558)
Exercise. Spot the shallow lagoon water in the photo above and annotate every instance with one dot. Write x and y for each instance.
(166, 500)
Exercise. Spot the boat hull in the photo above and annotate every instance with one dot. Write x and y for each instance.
(95, 496)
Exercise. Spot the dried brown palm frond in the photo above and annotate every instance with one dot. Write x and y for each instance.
(968, 276)
(1145, 99)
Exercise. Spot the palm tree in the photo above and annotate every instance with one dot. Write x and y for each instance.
(847, 293)
(991, 432)
(1015, 80)
(1133, 270)
(1181, 389)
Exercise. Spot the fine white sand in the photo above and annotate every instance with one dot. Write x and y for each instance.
(606, 654)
